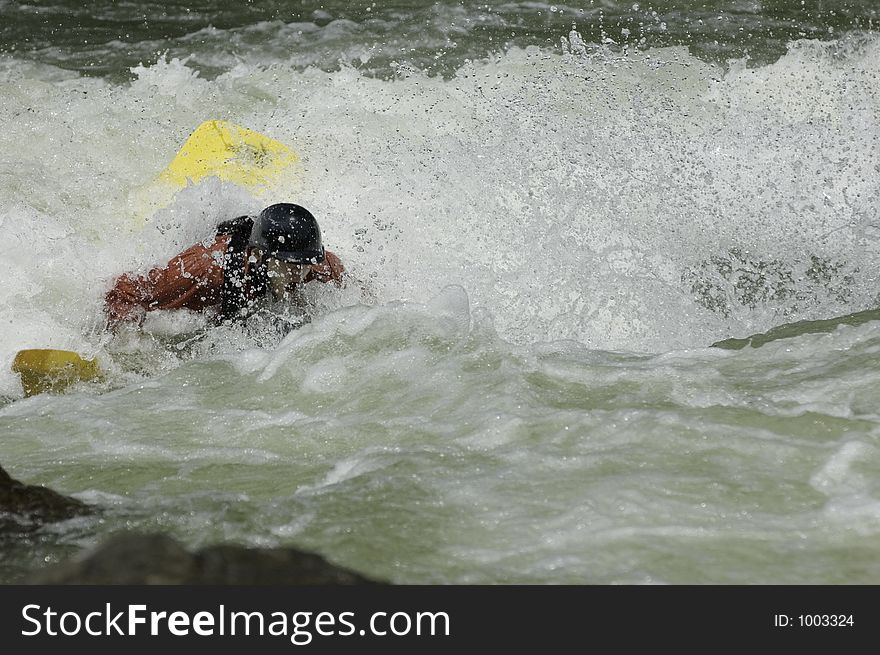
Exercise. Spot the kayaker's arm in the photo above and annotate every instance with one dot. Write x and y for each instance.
(191, 280)
(330, 270)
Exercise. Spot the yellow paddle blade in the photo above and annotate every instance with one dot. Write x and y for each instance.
(42, 370)
(232, 153)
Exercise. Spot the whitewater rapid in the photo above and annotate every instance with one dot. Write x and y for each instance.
(575, 197)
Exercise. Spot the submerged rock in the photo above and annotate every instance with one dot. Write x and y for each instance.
(138, 559)
(25, 507)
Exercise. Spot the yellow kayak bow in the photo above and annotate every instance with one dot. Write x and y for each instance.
(223, 150)
(230, 152)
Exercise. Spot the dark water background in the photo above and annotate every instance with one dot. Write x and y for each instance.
(106, 38)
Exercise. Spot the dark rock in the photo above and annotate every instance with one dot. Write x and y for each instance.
(139, 559)
(25, 507)
(225, 564)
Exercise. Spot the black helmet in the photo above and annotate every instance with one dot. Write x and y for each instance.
(288, 232)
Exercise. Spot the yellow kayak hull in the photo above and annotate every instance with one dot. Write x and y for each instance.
(230, 152)
(227, 151)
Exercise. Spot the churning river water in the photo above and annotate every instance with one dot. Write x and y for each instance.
(550, 212)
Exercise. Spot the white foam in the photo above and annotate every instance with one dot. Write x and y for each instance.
(566, 195)
(836, 477)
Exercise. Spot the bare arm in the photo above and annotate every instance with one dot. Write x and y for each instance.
(330, 270)
(192, 280)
